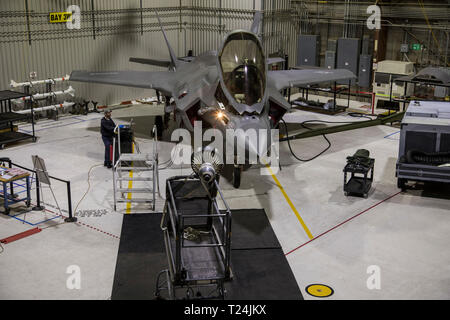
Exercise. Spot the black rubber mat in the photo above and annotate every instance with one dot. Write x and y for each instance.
(261, 274)
(141, 256)
(260, 269)
(252, 230)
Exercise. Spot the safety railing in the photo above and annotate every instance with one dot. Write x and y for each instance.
(38, 205)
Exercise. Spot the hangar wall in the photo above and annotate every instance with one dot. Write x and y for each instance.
(212, 20)
(114, 30)
(111, 32)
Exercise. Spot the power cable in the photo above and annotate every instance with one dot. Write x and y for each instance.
(303, 124)
(292, 152)
(89, 185)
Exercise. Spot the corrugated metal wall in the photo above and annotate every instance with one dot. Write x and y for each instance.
(111, 32)
(212, 20)
(114, 30)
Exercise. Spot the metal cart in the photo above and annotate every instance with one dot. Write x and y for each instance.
(9, 197)
(361, 178)
(197, 238)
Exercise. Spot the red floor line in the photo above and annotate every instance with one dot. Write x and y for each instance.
(340, 224)
(84, 224)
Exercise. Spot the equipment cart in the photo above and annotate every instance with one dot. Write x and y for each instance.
(424, 148)
(197, 237)
(8, 133)
(8, 196)
(361, 176)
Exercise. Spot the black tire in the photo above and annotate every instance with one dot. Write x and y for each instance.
(401, 184)
(159, 126)
(237, 177)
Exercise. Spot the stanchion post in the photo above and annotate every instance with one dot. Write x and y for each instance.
(38, 206)
(71, 218)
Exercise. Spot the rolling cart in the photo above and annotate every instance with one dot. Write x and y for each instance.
(361, 167)
(197, 238)
(9, 197)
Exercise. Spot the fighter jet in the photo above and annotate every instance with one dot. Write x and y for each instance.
(231, 88)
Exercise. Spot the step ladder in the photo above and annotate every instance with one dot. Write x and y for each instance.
(131, 169)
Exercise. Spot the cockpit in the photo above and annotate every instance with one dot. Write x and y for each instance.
(243, 69)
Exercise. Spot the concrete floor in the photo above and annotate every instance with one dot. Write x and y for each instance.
(404, 234)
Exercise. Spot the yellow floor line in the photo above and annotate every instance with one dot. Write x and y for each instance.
(130, 185)
(290, 202)
(129, 195)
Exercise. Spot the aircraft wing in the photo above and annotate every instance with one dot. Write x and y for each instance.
(291, 78)
(163, 81)
(153, 62)
(274, 60)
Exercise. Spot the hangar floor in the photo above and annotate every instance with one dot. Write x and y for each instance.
(330, 238)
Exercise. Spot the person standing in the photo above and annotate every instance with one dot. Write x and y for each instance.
(107, 131)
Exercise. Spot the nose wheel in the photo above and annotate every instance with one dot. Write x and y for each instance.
(237, 170)
(159, 123)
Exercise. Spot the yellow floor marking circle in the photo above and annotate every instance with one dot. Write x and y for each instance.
(319, 290)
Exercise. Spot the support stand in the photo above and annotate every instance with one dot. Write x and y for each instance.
(38, 206)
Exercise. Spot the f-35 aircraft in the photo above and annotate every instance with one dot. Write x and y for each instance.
(228, 89)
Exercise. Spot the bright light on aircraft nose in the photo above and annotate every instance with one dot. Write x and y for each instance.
(222, 117)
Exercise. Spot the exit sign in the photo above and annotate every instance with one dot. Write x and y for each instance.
(417, 46)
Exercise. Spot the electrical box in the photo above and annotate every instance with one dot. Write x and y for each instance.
(404, 48)
(330, 59)
(348, 51)
(366, 47)
(308, 50)
(332, 45)
(365, 70)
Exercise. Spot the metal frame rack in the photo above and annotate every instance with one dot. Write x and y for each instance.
(38, 206)
(409, 80)
(334, 90)
(331, 89)
(9, 117)
(197, 237)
